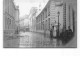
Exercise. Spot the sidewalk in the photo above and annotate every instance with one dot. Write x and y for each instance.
(10, 41)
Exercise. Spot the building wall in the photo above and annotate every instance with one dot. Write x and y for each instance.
(73, 7)
(17, 17)
(73, 21)
(17, 13)
(49, 17)
(43, 20)
(32, 18)
(65, 16)
(9, 16)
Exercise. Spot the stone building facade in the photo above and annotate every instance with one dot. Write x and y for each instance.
(48, 17)
(67, 17)
(9, 17)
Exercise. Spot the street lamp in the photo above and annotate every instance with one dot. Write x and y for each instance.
(58, 22)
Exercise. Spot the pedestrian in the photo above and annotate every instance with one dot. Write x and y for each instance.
(44, 33)
(69, 33)
(51, 34)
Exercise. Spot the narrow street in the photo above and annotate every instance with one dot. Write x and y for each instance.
(33, 39)
(29, 40)
(41, 24)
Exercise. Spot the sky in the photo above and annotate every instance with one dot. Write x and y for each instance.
(26, 5)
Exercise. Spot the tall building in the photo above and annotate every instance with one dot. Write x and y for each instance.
(17, 15)
(9, 17)
(61, 14)
(49, 17)
(17, 22)
(57, 13)
(32, 18)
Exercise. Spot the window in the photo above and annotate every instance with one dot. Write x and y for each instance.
(46, 25)
(36, 20)
(43, 15)
(9, 21)
(49, 23)
(43, 25)
(41, 18)
(49, 11)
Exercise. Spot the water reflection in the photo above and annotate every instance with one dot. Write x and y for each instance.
(30, 39)
(25, 39)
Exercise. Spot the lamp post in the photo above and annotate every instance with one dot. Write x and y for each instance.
(58, 22)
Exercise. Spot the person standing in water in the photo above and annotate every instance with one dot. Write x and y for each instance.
(51, 34)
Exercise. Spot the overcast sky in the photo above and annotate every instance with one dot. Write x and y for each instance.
(26, 5)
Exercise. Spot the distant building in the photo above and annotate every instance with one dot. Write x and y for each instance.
(10, 15)
(17, 15)
(24, 23)
(17, 19)
(32, 18)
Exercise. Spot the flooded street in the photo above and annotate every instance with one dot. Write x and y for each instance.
(25, 39)
(33, 39)
(29, 40)
(49, 24)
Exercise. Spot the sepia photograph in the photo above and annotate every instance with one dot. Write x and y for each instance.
(39, 23)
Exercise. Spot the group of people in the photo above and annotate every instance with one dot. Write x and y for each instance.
(64, 36)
